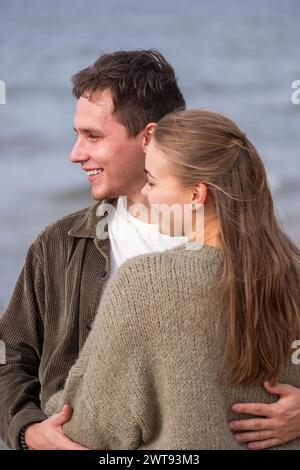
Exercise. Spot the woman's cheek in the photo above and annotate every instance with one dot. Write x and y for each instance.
(152, 196)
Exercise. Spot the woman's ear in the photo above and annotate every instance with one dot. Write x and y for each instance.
(199, 195)
(147, 134)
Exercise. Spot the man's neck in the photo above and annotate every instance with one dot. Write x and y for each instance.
(138, 207)
(136, 199)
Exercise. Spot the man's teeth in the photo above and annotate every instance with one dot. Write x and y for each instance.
(93, 172)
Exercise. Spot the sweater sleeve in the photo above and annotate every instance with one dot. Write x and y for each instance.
(108, 387)
(21, 332)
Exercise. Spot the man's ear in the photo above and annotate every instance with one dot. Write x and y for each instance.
(147, 134)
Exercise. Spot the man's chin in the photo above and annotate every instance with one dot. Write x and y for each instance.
(99, 195)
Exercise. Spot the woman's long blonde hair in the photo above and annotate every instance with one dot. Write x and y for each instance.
(261, 276)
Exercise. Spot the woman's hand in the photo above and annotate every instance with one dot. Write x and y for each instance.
(277, 423)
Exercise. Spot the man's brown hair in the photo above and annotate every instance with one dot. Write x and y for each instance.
(142, 84)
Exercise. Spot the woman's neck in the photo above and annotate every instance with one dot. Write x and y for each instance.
(209, 235)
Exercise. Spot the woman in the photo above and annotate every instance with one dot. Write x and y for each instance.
(182, 335)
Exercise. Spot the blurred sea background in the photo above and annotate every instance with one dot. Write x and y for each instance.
(239, 58)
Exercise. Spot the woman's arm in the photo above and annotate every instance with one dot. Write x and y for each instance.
(276, 423)
(107, 387)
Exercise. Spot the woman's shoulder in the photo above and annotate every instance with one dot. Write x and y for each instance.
(202, 260)
(155, 285)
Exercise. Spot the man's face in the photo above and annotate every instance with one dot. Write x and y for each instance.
(113, 161)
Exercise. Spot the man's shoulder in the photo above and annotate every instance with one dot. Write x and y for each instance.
(77, 225)
(80, 222)
(64, 224)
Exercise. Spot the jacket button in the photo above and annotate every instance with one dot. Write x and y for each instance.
(103, 274)
(89, 325)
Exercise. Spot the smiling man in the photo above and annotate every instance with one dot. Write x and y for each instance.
(120, 98)
(49, 316)
(112, 158)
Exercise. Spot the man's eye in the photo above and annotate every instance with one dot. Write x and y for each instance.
(93, 137)
(150, 184)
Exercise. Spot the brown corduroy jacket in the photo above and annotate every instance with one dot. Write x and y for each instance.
(49, 316)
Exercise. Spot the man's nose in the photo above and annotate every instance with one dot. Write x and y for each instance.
(79, 152)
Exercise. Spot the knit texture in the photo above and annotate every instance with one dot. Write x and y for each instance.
(149, 374)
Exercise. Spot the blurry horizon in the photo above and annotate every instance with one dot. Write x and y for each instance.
(239, 59)
(234, 57)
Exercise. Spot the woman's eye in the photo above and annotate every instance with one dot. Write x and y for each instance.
(150, 184)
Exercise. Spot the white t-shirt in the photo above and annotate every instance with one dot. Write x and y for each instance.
(130, 237)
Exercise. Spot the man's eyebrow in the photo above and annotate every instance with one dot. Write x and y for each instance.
(88, 130)
(148, 173)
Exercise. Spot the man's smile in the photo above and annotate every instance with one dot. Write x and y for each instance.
(93, 173)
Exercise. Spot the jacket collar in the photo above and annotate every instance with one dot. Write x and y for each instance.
(86, 226)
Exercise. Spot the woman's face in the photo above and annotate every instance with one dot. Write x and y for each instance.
(170, 204)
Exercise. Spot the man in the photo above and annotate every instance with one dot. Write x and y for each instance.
(120, 98)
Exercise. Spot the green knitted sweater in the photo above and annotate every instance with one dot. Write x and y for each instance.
(148, 375)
